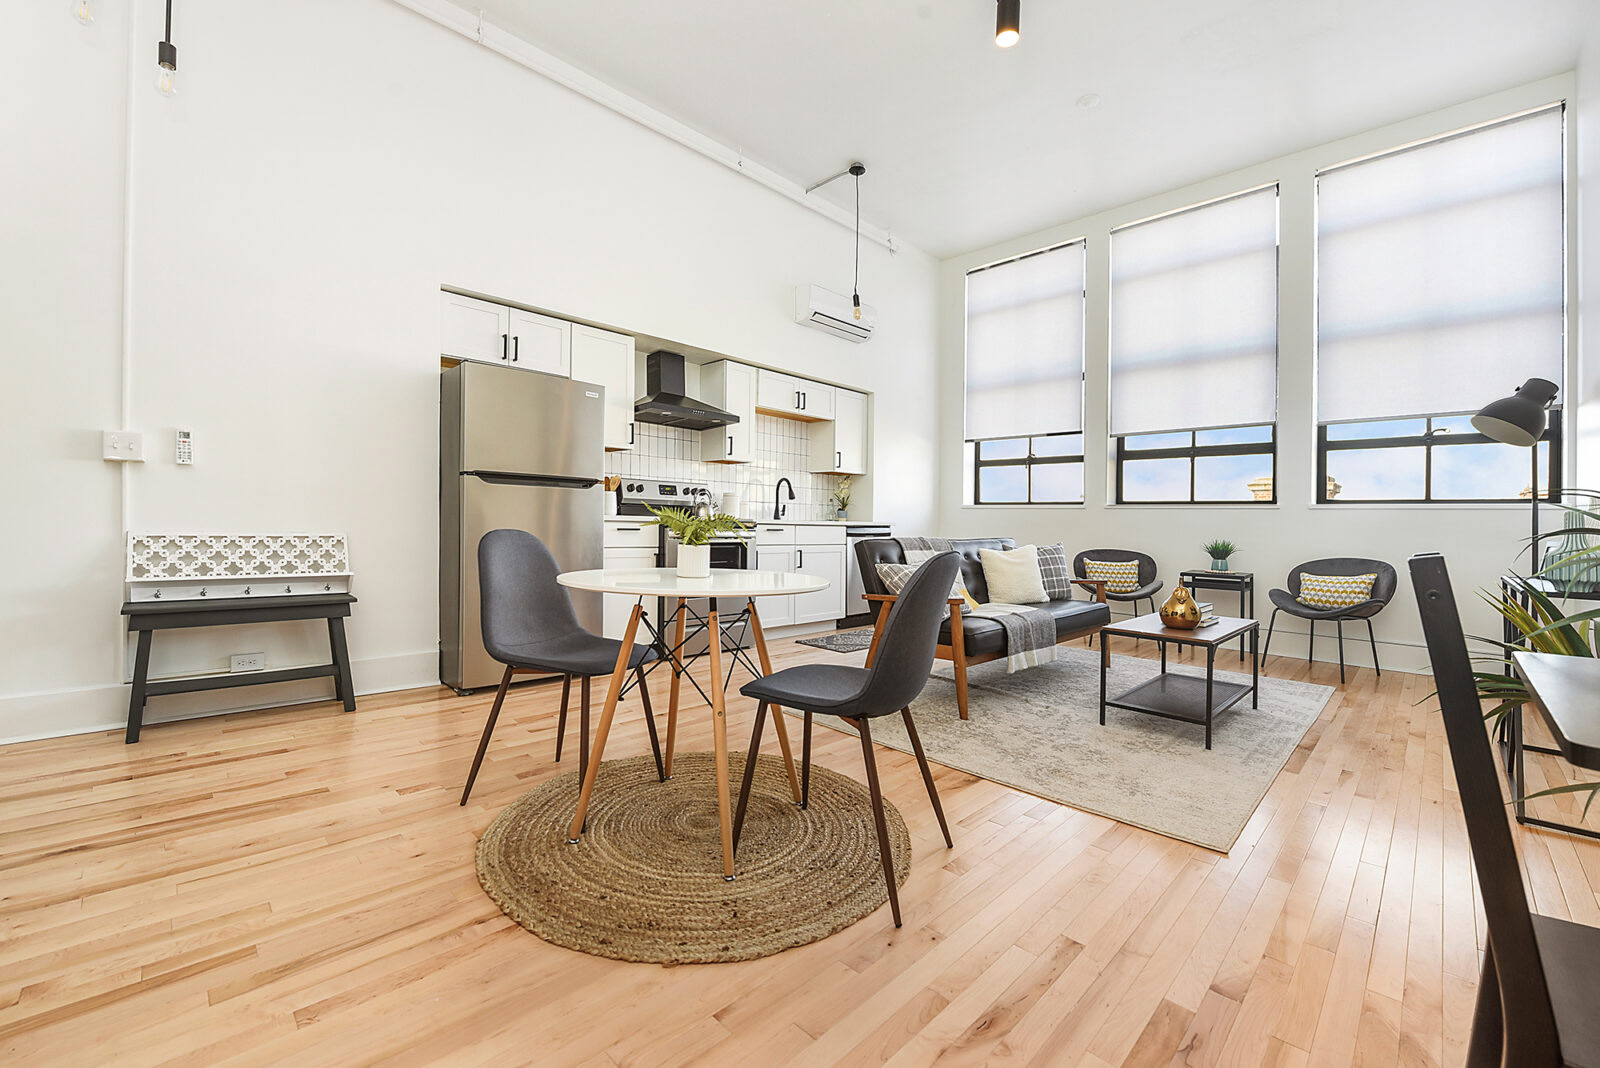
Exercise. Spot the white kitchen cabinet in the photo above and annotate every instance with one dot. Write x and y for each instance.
(615, 610)
(606, 358)
(826, 561)
(793, 398)
(732, 387)
(473, 329)
(775, 611)
(540, 343)
(839, 446)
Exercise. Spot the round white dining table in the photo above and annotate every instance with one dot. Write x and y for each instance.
(735, 584)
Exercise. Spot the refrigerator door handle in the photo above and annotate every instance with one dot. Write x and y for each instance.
(513, 478)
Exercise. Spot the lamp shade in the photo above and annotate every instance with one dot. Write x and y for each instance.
(1008, 22)
(1520, 418)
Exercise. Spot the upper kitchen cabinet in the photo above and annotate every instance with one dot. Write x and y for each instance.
(793, 398)
(472, 329)
(731, 387)
(606, 358)
(839, 446)
(540, 343)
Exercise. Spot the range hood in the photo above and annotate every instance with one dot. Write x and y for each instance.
(665, 402)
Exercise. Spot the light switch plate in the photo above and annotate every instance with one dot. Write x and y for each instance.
(122, 445)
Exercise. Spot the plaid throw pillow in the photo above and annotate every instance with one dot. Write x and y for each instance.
(895, 577)
(1121, 576)
(1056, 570)
(1335, 591)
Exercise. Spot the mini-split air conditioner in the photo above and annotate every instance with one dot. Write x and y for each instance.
(826, 310)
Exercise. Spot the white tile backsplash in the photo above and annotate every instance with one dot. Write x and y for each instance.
(782, 450)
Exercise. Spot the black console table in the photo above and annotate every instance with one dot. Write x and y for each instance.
(147, 617)
(1241, 582)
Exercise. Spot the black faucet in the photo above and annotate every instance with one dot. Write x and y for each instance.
(778, 507)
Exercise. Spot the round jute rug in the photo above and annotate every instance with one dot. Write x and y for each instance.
(645, 883)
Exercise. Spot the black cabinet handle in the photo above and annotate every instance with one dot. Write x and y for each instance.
(799, 559)
(730, 444)
(505, 346)
(630, 433)
(803, 400)
(516, 347)
(838, 459)
(797, 399)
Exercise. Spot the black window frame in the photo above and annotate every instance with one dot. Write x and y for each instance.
(1429, 440)
(1029, 462)
(1193, 452)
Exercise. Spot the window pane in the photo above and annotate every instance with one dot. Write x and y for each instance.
(1384, 428)
(1376, 474)
(1180, 440)
(1486, 472)
(1155, 480)
(1237, 435)
(1233, 478)
(1008, 449)
(1053, 483)
(1003, 485)
(1059, 445)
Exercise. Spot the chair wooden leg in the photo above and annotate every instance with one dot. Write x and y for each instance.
(1374, 640)
(877, 814)
(561, 725)
(488, 729)
(650, 722)
(958, 653)
(805, 765)
(927, 775)
(749, 771)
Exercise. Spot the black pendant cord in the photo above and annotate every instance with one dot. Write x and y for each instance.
(855, 284)
(168, 38)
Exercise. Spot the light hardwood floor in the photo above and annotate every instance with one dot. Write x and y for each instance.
(297, 886)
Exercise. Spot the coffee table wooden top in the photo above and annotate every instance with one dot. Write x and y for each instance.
(1150, 626)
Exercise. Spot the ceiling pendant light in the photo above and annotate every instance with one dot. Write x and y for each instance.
(83, 12)
(1007, 23)
(856, 171)
(167, 60)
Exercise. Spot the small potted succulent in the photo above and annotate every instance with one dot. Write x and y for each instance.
(1219, 550)
(694, 531)
(841, 498)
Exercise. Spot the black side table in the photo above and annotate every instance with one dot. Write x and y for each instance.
(1241, 582)
(147, 617)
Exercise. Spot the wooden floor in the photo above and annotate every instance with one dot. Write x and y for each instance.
(297, 887)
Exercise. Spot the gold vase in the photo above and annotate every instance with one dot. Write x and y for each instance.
(1180, 611)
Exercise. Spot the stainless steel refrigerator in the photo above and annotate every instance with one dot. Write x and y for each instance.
(517, 449)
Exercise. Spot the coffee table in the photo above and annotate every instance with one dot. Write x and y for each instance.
(1188, 698)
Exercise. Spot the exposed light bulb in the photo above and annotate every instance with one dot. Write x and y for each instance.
(83, 11)
(167, 81)
(1008, 22)
(855, 298)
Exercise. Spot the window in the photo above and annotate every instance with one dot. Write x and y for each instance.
(1439, 458)
(1024, 385)
(1233, 464)
(1441, 286)
(1047, 469)
(1194, 353)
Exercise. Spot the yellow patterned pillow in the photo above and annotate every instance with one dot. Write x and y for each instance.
(1335, 591)
(1120, 576)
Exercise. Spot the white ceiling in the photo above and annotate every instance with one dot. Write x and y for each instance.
(967, 144)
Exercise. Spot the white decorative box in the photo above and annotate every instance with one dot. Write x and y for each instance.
(179, 567)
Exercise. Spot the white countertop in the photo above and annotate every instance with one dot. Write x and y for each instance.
(636, 520)
(665, 582)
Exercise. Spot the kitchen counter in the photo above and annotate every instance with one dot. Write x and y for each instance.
(772, 522)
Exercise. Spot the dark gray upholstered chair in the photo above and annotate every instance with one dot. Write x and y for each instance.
(858, 695)
(1383, 588)
(1539, 989)
(530, 627)
(1149, 582)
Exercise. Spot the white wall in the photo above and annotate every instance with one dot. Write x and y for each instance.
(1587, 146)
(1479, 541)
(324, 169)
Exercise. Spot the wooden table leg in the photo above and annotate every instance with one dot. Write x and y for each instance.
(343, 688)
(777, 713)
(672, 701)
(141, 668)
(719, 733)
(613, 692)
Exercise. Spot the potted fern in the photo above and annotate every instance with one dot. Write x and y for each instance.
(694, 531)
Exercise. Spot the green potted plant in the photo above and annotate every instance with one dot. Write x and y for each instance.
(694, 531)
(1219, 550)
(841, 497)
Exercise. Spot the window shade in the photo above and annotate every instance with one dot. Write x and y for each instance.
(1440, 273)
(1025, 345)
(1194, 318)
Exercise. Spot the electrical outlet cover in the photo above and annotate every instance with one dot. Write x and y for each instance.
(122, 445)
(247, 662)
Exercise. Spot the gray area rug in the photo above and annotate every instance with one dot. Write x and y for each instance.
(1039, 731)
(840, 641)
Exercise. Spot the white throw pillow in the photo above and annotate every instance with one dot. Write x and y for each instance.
(1013, 577)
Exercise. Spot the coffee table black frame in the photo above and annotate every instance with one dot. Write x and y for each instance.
(1241, 582)
(1187, 698)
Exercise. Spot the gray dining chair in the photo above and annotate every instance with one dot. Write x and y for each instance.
(1383, 587)
(860, 695)
(530, 627)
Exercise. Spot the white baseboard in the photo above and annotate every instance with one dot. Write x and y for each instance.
(56, 714)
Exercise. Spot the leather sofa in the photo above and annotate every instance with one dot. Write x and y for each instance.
(965, 639)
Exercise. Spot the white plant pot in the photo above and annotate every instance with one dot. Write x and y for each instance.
(694, 561)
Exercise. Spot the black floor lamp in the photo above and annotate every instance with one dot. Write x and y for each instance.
(1520, 419)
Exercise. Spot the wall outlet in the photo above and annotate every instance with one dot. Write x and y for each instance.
(122, 445)
(247, 662)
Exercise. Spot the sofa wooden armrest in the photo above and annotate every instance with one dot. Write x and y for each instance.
(1097, 585)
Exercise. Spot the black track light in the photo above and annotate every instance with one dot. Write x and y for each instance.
(1008, 22)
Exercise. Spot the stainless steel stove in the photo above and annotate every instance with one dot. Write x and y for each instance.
(635, 494)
